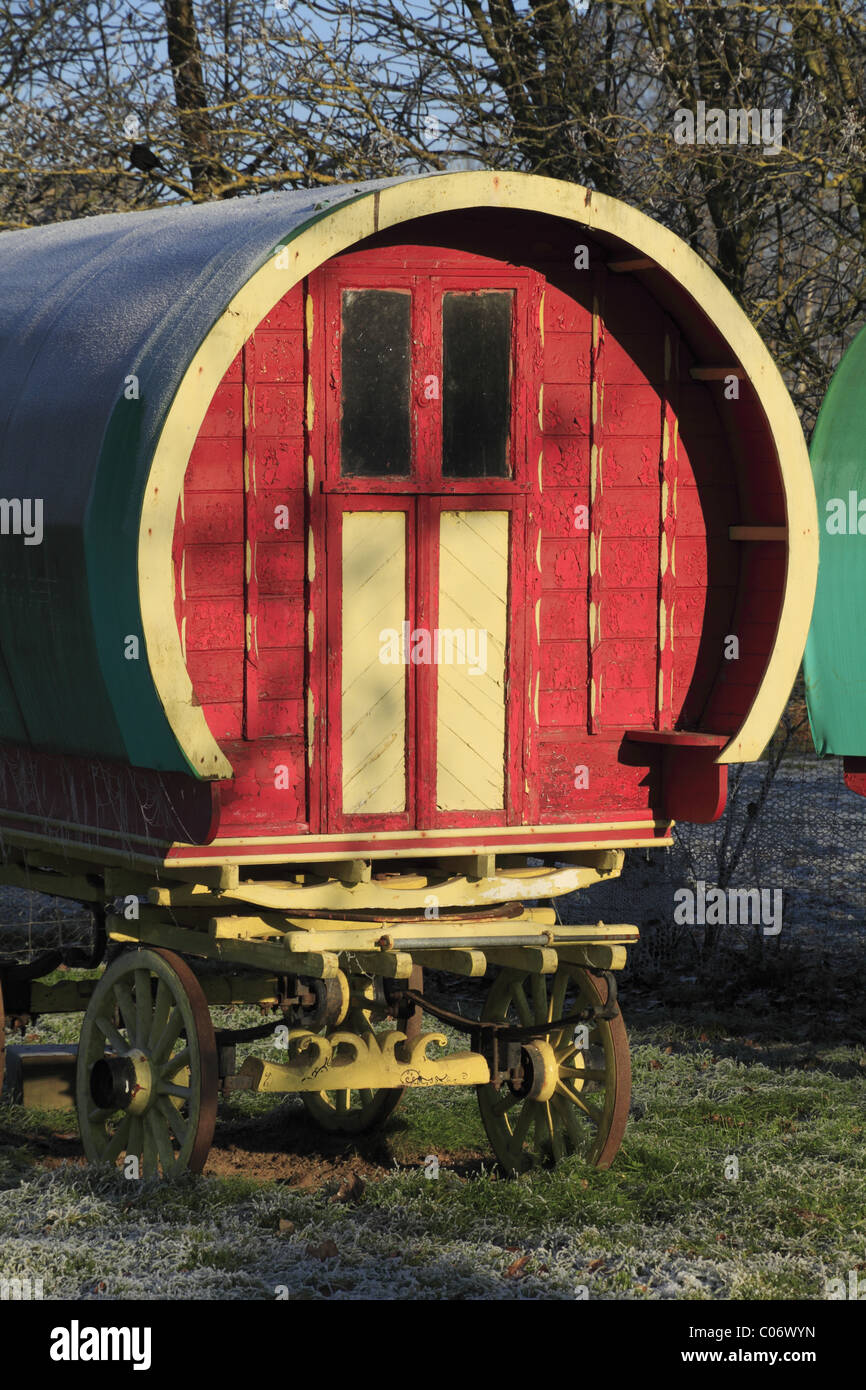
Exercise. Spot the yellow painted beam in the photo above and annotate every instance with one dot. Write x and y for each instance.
(395, 965)
(256, 955)
(601, 932)
(458, 962)
(538, 960)
(599, 957)
(410, 892)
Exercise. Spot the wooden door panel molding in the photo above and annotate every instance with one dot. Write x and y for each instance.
(370, 738)
(473, 605)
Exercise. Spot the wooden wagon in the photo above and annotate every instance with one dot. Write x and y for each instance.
(408, 552)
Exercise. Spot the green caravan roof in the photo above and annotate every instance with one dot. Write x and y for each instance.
(83, 306)
(835, 661)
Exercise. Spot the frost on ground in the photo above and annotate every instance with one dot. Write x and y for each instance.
(96, 1242)
(666, 1222)
(773, 1081)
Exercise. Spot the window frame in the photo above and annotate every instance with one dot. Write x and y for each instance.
(427, 288)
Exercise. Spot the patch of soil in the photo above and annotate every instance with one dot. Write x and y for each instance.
(286, 1146)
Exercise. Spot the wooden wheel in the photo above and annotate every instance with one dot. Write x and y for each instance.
(574, 1097)
(353, 1112)
(147, 1078)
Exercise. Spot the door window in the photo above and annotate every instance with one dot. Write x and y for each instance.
(476, 384)
(375, 350)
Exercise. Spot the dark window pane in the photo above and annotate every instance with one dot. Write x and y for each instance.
(374, 436)
(476, 393)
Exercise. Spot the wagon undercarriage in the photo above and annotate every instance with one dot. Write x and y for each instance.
(334, 956)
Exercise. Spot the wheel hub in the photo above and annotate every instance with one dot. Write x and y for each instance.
(540, 1071)
(122, 1083)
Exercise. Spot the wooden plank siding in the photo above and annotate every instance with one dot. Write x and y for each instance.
(600, 567)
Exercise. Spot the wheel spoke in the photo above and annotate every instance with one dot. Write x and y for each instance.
(524, 1120)
(143, 1007)
(97, 1117)
(543, 1124)
(170, 1035)
(556, 1140)
(149, 1163)
(161, 1140)
(118, 1141)
(176, 1063)
(540, 1003)
(109, 1032)
(126, 1004)
(161, 1011)
(557, 994)
(174, 1120)
(505, 1102)
(170, 1088)
(135, 1142)
(585, 1075)
(521, 1003)
(572, 1121)
(592, 1114)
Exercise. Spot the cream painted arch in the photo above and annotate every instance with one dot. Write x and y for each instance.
(342, 228)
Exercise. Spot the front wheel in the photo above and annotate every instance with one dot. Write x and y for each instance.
(147, 1079)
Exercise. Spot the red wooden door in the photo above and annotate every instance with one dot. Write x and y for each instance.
(423, 525)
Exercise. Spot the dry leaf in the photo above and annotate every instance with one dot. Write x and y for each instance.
(327, 1250)
(594, 1264)
(286, 1227)
(655, 1064)
(515, 1270)
(350, 1190)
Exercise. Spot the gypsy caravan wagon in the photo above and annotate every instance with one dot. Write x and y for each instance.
(834, 665)
(409, 552)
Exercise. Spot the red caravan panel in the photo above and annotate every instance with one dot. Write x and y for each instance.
(239, 561)
(621, 585)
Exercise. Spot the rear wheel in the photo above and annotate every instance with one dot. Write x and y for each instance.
(574, 1098)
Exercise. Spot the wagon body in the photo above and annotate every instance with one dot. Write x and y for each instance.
(405, 553)
(193, 667)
